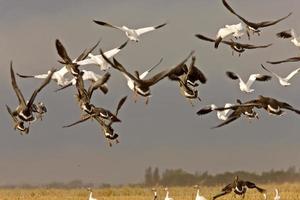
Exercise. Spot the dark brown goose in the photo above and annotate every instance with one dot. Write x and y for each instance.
(252, 26)
(239, 187)
(18, 124)
(106, 127)
(187, 77)
(25, 109)
(142, 86)
(235, 46)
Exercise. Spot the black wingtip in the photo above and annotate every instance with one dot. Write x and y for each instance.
(159, 26)
(100, 22)
(217, 42)
(232, 75)
(123, 45)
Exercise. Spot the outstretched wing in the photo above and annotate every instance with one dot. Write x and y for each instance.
(141, 31)
(15, 86)
(292, 59)
(120, 104)
(98, 84)
(79, 121)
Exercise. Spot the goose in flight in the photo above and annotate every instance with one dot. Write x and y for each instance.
(167, 194)
(99, 60)
(284, 81)
(246, 87)
(252, 26)
(91, 194)
(188, 78)
(290, 34)
(237, 111)
(18, 124)
(235, 46)
(106, 127)
(272, 106)
(87, 75)
(24, 110)
(141, 86)
(132, 34)
(221, 114)
(235, 30)
(277, 196)
(239, 187)
(198, 196)
(59, 75)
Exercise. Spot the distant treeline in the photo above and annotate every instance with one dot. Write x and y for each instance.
(179, 177)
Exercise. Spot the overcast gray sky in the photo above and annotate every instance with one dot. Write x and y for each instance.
(166, 133)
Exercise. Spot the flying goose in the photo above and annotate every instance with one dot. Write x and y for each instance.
(167, 194)
(235, 46)
(235, 30)
(284, 81)
(221, 114)
(292, 59)
(246, 87)
(87, 75)
(91, 194)
(107, 129)
(254, 27)
(141, 86)
(18, 124)
(198, 196)
(277, 196)
(99, 60)
(272, 105)
(24, 110)
(132, 34)
(239, 187)
(187, 77)
(59, 75)
(290, 34)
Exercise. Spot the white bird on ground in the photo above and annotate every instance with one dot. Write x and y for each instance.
(99, 60)
(235, 30)
(284, 81)
(277, 196)
(91, 194)
(132, 34)
(246, 87)
(198, 196)
(154, 193)
(167, 195)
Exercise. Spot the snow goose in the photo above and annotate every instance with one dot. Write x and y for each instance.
(132, 34)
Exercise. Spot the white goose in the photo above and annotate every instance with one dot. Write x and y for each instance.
(235, 30)
(284, 81)
(99, 60)
(167, 195)
(132, 34)
(222, 115)
(277, 196)
(91, 194)
(246, 87)
(198, 196)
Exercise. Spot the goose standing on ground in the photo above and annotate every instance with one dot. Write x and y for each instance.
(91, 194)
(284, 81)
(24, 110)
(142, 86)
(251, 26)
(290, 34)
(154, 194)
(18, 124)
(132, 34)
(235, 46)
(239, 187)
(87, 75)
(59, 75)
(235, 30)
(99, 60)
(277, 196)
(167, 194)
(198, 196)
(246, 87)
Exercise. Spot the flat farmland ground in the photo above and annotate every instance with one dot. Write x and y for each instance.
(287, 192)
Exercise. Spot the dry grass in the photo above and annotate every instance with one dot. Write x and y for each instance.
(287, 192)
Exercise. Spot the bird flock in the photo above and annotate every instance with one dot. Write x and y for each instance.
(185, 74)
